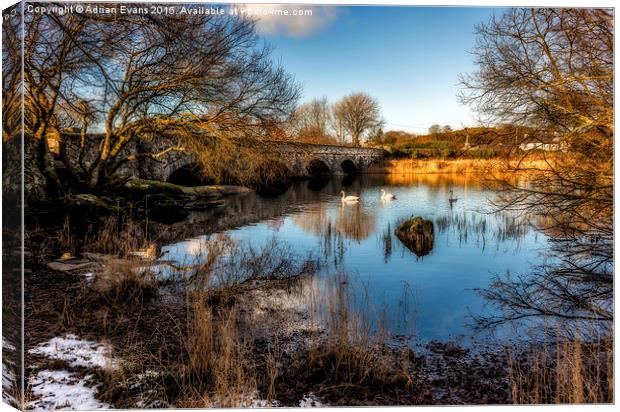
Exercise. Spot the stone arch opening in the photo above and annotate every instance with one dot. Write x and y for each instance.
(318, 167)
(189, 175)
(349, 168)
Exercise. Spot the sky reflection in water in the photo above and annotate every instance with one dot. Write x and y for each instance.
(471, 245)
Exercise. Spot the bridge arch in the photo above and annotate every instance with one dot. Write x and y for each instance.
(318, 167)
(188, 174)
(349, 167)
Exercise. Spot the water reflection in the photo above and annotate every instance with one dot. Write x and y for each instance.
(470, 246)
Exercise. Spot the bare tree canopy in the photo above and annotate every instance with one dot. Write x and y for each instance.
(312, 120)
(359, 114)
(199, 78)
(551, 70)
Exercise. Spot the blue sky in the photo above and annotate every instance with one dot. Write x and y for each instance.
(407, 57)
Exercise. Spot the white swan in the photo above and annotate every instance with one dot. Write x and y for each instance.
(387, 196)
(348, 199)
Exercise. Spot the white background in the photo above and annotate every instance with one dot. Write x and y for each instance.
(487, 3)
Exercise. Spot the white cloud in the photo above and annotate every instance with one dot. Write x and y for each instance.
(290, 19)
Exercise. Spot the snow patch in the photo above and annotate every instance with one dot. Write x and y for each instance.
(62, 390)
(7, 345)
(89, 276)
(8, 385)
(8, 375)
(310, 401)
(77, 352)
(264, 403)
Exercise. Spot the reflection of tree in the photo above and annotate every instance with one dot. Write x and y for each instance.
(578, 288)
(387, 243)
(353, 223)
(314, 220)
(350, 222)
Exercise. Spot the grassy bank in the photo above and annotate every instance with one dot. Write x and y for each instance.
(434, 166)
(245, 327)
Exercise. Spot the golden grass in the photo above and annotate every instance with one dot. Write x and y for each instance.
(570, 372)
(434, 166)
(125, 282)
(218, 371)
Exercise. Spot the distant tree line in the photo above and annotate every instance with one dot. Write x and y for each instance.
(443, 142)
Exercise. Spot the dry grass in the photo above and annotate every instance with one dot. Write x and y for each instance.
(221, 365)
(118, 235)
(433, 166)
(356, 354)
(126, 282)
(225, 355)
(570, 372)
(219, 370)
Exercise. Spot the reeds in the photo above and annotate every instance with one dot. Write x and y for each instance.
(433, 166)
(569, 371)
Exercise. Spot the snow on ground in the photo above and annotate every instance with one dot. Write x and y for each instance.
(8, 376)
(311, 401)
(60, 389)
(89, 276)
(63, 390)
(263, 403)
(8, 385)
(7, 345)
(77, 352)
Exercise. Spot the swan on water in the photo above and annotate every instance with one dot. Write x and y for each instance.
(348, 199)
(387, 196)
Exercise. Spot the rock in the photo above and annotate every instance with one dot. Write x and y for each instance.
(171, 189)
(69, 266)
(149, 253)
(224, 190)
(91, 201)
(417, 234)
(100, 257)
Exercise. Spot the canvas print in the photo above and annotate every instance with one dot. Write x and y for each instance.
(297, 205)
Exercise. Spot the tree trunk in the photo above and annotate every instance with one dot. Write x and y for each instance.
(46, 161)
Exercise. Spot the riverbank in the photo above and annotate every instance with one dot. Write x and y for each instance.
(123, 335)
(252, 328)
(494, 166)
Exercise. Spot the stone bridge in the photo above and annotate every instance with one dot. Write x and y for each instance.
(301, 160)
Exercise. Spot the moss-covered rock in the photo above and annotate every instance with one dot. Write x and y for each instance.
(88, 201)
(145, 186)
(417, 234)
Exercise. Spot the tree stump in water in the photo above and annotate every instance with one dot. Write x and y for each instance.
(417, 234)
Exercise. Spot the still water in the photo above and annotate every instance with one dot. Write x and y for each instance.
(472, 245)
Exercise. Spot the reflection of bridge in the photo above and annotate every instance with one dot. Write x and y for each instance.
(302, 160)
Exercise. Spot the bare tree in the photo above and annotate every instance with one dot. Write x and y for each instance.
(202, 81)
(55, 49)
(551, 70)
(312, 120)
(11, 74)
(359, 114)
